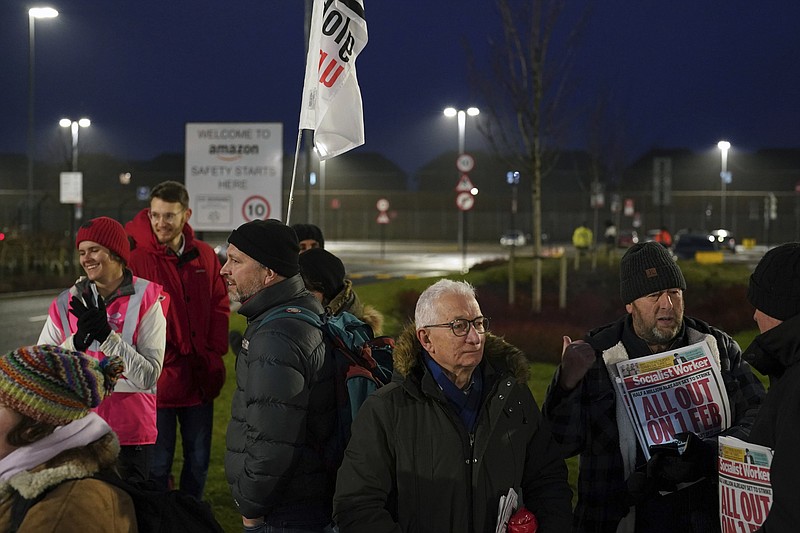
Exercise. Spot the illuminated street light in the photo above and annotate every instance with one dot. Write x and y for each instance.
(725, 178)
(33, 14)
(451, 112)
(461, 114)
(74, 125)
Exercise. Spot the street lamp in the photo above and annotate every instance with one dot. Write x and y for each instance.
(461, 115)
(74, 125)
(451, 112)
(725, 178)
(33, 14)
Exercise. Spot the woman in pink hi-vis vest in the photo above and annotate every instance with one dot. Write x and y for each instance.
(111, 312)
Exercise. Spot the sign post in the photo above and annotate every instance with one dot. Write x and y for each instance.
(383, 220)
(465, 200)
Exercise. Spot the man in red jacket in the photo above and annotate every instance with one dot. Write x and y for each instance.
(164, 250)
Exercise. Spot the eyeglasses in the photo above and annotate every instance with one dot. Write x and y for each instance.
(166, 217)
(460, 326)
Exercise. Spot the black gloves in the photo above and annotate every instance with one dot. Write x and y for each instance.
(92, 321)
(688, 459)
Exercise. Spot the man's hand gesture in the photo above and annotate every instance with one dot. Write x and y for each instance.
(577, 357)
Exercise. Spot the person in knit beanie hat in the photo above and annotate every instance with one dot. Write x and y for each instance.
(775, 283)
(111, 312)
(283, 360)
(54, 385)
(106, 232)
(324, 275)
(309, 237)
(647, 267)
(322, 272)
(270, 242)
(774, 291)
(52, 443)
(584, 406)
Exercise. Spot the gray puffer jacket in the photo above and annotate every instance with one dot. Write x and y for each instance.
(282, 413)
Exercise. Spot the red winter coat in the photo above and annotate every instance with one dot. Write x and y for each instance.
(197, 321)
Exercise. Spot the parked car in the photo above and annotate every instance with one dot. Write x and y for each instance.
(725, 239)
(687, 244)
(627, 238)
(514, 237)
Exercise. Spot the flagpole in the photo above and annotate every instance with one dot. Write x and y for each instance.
(294, 175)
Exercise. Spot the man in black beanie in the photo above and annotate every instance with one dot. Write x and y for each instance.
(283, 408)
(323, 274)
(775, 293)
(309, 237)
(618, 490)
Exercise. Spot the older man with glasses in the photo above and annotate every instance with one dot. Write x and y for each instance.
(456, 429)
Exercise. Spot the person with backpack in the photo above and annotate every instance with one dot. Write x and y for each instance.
(324, 275)
(283, 409)
(51, 444)
(437, 448)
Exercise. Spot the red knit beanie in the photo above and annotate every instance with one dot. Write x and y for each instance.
(106, 232)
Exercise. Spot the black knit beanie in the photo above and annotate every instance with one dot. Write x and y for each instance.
(270, 242)
(646, 268)
(309, 231)
(775, 283)
(320, 268)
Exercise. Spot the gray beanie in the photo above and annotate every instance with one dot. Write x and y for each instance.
(646, 268)
(775, 283)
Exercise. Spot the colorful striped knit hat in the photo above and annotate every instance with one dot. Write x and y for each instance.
(53, 385)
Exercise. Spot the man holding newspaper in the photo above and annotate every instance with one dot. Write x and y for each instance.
(641, 400)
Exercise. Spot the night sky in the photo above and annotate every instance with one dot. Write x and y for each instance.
(684, 73)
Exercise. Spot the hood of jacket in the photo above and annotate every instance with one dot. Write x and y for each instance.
(348, 300)
(496, 351)
(141, 234)
(77, 463)
(773, 351)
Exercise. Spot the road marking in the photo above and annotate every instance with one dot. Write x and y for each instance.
(37, 318)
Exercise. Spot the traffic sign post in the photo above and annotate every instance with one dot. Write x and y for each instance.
(383, 219)
(465, 163)
(256, 207)
(465, 201)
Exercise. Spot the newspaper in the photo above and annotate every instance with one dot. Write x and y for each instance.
(505, 509)
(745, 493)
(673, 392)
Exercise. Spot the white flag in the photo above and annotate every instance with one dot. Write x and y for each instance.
(331, 96)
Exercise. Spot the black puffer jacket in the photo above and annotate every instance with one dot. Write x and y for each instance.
(776, 353)
(282, 412)
(411, 466)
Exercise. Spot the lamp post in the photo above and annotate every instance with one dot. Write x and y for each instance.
(451, 112)
(725, 178)
(74, 126)
(461, 115)
(33, 14)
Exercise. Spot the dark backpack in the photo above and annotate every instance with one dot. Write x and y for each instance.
(363, 362)
(157, 511)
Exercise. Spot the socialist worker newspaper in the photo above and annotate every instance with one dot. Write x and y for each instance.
(745, 492)
(673, 392)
